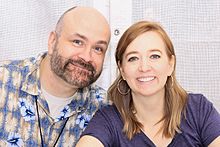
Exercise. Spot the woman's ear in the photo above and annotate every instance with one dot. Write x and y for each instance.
(51, 42)
(121, 70)
(172, 64)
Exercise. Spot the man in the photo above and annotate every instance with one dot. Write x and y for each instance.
(48, 101)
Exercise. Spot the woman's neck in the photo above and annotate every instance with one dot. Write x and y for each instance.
(149, 109)
(149, 112)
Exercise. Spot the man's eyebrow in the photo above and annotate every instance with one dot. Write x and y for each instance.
(80, 36)
(85, 38)
(102, 42)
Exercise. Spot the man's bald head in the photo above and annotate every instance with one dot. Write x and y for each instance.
(80, 12)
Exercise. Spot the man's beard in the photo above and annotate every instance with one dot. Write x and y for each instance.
(76, 72)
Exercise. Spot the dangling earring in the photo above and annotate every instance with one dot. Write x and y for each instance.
(171, 80)
(123, 87)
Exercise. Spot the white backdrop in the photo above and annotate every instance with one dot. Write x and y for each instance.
(194, 27)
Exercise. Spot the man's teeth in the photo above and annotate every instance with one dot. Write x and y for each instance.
(146, 79)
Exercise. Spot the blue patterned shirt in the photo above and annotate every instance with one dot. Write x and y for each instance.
(21, 99)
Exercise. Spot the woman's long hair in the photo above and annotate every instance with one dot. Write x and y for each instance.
(175, 95)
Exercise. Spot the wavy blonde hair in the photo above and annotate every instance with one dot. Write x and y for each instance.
(175, 95)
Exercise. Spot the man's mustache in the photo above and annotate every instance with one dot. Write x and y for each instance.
(82, 63)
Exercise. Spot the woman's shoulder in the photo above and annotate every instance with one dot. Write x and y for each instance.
(109, 110)
(199, 107)
(197, 99)
(195, 96)
(201, 122)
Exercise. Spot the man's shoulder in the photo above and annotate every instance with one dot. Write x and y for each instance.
(10, 67)
(19, 65)
(15, 65)
(14, 71)
(97, 96)
(97, 89)
(97, 92)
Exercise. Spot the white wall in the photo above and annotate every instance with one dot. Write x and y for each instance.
(194, 27)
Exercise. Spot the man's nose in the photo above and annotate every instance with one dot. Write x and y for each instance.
(86, 54)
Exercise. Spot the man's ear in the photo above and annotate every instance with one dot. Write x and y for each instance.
(51, 42)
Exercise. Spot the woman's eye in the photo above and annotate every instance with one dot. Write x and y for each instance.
(77, 42)
(132, 59)
(155, 56)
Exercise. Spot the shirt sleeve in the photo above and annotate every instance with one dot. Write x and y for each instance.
(100, 127)
(209, 120)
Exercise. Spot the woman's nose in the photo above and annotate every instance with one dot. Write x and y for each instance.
(144, 65)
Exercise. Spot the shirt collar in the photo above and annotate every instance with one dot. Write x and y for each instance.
(31, 83)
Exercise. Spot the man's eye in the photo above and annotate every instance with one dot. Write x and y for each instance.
(132, 59)
(99, 49)
(77, 42)
(155, 56)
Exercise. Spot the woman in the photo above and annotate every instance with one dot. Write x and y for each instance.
(149, 107)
